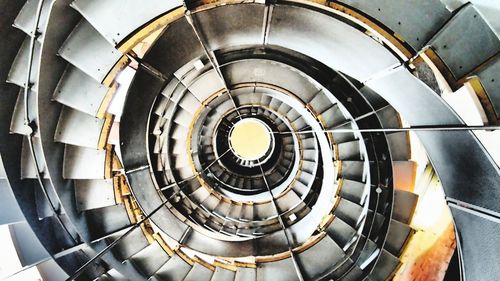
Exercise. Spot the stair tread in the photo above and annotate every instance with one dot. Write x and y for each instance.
(341, 232)
(174, 269)
(199, 273)
(349, 212)
(245, 274)
(97, 56)
(150, 259)
(319, 258)
(221, 274)
(282, 270)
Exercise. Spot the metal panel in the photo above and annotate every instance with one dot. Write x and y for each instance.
(282, 270)
(28, 168)
(25, 20)
(130, 245)
(414, 100)
(479, 243)
(199, 273)
(19, 69)
(117, 19)
(319, 258)
(28, 247)
(148, 199)
(91, 194)
(274, 73)
(415, 21)
(490, 79)
(17, 124)
(86, 49)
(385, 266)
(341, 232)
(222, 274)
(206, 85)
(404, 205)
(76, 163)
(337, 44)
(396, 237)
(169, 52)
(78, 128)
(473, 173)
(80, 91)
(175, 269)
(105, 221)
(10, 212)
(245, 274)
(150, 259)
(465, 42)
(50, 270)
(399, 146)
(232, 25)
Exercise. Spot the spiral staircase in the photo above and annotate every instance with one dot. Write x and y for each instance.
(328, 90)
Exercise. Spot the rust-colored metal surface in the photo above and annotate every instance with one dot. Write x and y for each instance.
(429, 251)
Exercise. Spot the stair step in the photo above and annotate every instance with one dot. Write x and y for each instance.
(114, 275)
(28, 166)
(367, 250)
(341, 232)
(353, 170)
(333, 117)
(150, 259)
(76, 161)
(81, 92)
(130, 245)
(77, 128)
(105, 221)
(19, 69)
(320, 102)
(405, 203)
(25, 20)
(87, 50)
(199, 273)
(349, 212)
(350, 151)
(396, 237)
(355, 274)
(354, 191)
(221, 274)
(321, 257)
(245, 274)
(174, 269)
(377, 223)
(462, 30)
(385, 267)
(341, 137)
(17, 123)
(399, 146)
(93, 194)
(282, 270)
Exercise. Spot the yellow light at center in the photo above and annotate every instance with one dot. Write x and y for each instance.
(250, 139)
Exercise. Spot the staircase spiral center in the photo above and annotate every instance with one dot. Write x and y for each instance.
(250, 139)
